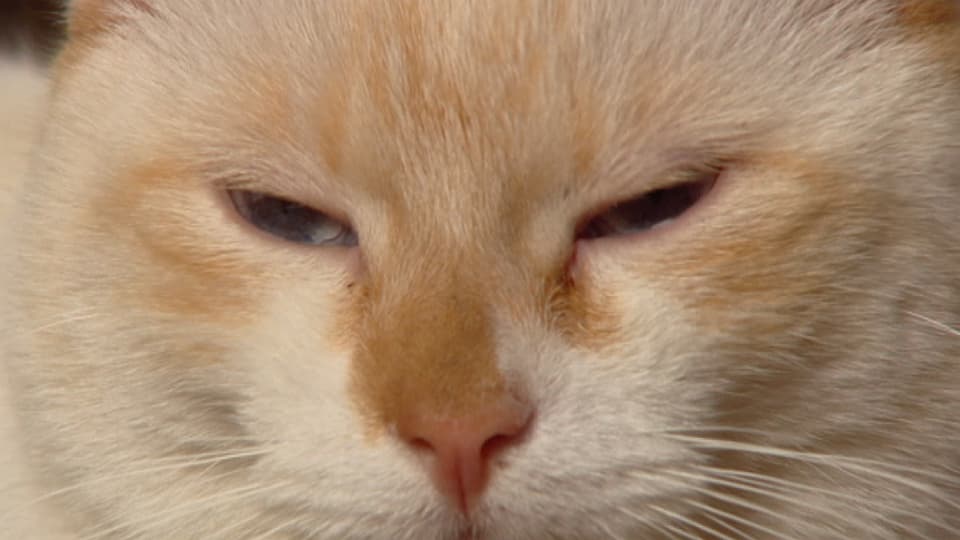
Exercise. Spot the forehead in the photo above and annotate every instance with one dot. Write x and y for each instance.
(495, 101)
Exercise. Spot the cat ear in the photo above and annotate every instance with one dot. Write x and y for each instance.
(89, 18)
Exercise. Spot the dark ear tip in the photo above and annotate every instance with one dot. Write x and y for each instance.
(31, 27)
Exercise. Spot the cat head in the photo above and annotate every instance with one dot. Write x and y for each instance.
(503, 269)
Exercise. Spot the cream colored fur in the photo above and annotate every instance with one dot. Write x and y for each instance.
(783, 364)
(22, 91)
(23, 88)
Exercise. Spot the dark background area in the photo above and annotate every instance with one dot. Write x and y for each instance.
(31, 26)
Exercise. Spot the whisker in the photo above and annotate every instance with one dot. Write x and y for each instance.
(606, 529)
(739, 532)
(665, 530)
(737, 501)
(76, 315)
(856, 464)
(132, 473)
(274, 530)
(935, 323)
(743, 521)
(761, 491)
(690, 523)
(644, 521)
(761, 481)
(171, 513)
(675, 530)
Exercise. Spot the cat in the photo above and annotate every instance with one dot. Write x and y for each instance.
(505, 269)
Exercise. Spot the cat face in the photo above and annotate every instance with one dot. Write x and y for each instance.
(498, 270)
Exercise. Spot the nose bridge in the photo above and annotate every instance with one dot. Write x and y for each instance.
(427, 340)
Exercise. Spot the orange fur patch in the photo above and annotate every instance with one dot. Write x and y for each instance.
(88, 18)
(88, 21)
(427, 350)
(752, 257)
(422, 324)
(587, 313)
(188, 275)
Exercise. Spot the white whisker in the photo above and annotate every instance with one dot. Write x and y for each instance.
(691, 523)
(675, 530)
(647, 522)
(737, 501)
(936, 324)
(763, 492)
(853, 464)
(738, 519)
(878, 508)
(728, 526)
(174, 512)
(175, 464)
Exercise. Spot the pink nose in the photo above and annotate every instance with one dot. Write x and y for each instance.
(462, 447)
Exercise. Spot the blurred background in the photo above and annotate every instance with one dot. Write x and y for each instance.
(31, 26)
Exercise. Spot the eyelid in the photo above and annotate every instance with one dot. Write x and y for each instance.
(664, 178)
(306, 198)
(702, 179)
(287, 220)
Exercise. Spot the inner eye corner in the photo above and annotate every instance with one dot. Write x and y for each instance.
(287, 219)
(650, 210)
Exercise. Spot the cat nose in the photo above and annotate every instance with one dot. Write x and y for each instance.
(461, 448)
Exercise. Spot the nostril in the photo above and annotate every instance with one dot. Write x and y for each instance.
(510, 436)
(461, 449)
(495, 444)
(482, 431)
(421, 444)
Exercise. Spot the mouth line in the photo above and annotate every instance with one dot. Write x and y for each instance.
(468, 528)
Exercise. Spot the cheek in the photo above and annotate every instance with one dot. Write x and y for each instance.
(172, 250)
(719, 295)
(647, 376)
(611, 310)
(589, 302)
(176, 255)
(295, 363)
(771, 240)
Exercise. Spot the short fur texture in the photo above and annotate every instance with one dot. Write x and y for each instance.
(781, 362)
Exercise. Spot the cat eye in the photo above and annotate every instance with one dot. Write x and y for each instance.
(649, 211)
(291, 221)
